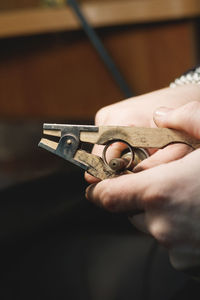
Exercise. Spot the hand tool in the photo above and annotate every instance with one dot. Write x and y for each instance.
(136, 142)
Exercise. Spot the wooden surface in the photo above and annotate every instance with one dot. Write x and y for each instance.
(99, 13)
(61, 76)
(18, 4)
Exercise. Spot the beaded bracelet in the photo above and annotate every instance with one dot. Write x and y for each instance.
(192, 76)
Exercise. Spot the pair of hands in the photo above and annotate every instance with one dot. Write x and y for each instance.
(165, 186)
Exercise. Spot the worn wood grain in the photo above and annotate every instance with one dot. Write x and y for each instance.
(139, 137)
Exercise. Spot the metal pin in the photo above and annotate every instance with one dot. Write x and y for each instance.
(118, 164)
(139, 155)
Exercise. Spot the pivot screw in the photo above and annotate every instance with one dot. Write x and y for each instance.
(69, 142)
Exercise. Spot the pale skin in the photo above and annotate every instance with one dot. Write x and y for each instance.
(166, 186)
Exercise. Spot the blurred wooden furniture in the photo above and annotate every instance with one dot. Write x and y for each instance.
(48, 68)
(98, 13)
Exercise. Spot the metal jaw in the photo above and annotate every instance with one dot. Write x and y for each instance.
(68, 147)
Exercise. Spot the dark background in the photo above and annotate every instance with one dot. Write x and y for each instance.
(56, 245)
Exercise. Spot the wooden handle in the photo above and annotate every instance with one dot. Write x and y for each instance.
(139, 137)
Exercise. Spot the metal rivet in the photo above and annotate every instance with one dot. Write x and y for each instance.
(69, 142)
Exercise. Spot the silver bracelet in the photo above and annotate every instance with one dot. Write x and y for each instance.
(188, 78)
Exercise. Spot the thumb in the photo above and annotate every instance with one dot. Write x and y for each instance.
(185, 118)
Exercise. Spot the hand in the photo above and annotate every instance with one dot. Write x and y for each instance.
(138, 111)
(168, 194)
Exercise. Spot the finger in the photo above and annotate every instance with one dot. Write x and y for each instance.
(156, 226)
(140, 191)
(90, 179)
(169, 153)
(139, 221)
(126, 193)
(185, 258)
(97, 150)
(186, 118)
(113, 151)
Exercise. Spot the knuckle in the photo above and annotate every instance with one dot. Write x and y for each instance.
(160, 230)
(101, 115)
(108, 200)
(155, 195)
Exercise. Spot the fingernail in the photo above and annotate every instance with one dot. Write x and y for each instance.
(160, 112)
(138, 168)
(88, 191)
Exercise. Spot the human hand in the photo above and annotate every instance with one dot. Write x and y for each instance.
(138, 111)
(168, 194)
